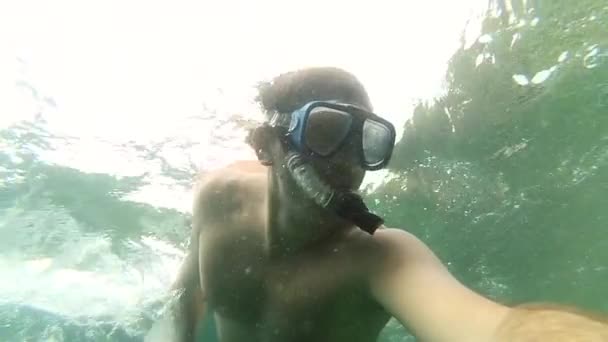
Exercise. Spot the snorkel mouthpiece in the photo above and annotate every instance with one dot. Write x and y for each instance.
(345, 204)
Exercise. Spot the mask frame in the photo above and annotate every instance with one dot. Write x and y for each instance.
(296, 125)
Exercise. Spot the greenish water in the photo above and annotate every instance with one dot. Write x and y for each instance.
(505, 176)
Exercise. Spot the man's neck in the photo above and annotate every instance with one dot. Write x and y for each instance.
(295, 222)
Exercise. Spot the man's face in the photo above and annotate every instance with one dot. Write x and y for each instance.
(343, 169)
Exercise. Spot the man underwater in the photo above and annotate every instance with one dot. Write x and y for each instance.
(284, 249)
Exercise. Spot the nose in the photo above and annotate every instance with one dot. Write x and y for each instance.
(348, 153)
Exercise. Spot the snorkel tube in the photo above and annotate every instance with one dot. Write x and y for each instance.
(345, 204)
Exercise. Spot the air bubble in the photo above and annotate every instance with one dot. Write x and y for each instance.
(542, 76)
(486, 38)
(521, 79)
(592, 59)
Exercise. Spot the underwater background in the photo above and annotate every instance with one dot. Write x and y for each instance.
(503, 172)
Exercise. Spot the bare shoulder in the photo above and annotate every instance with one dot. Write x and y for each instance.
(235, 173)
(396, 236)
(401, 246)
(223, 191)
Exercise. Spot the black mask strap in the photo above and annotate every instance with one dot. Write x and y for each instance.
(351, 207)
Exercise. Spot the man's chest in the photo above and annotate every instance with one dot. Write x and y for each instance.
(242, 282)
(347, 316)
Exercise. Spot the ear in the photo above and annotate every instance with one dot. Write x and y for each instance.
(259, 139)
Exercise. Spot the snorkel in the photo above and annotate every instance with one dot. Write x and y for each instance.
(346, 204)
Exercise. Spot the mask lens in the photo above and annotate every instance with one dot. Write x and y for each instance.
(326, 129)
(376, 142)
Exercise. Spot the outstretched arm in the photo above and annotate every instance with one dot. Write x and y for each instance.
(550, 322)
(416, 288)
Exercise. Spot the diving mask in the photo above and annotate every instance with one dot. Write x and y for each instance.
(320, 128)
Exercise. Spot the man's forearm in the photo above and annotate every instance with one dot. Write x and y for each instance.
(189, 312)
(550, 322)
(190, 302)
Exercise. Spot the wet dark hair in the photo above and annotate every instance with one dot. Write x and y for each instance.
(290, 91)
